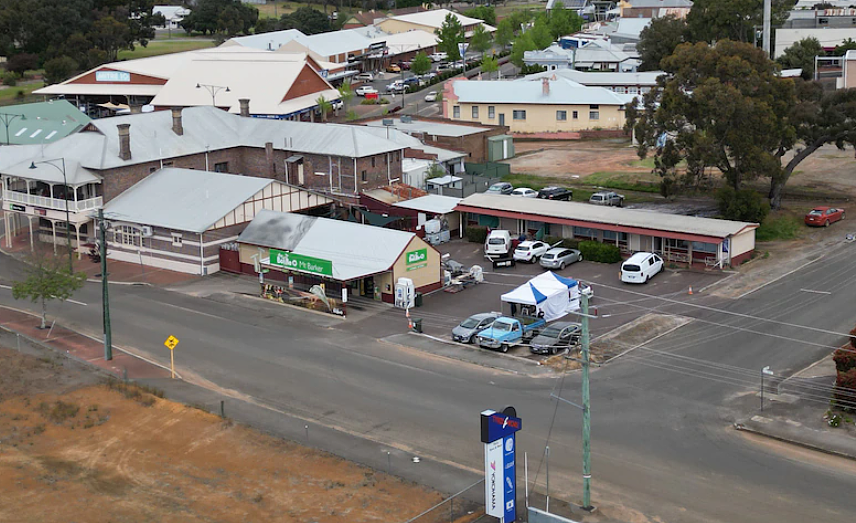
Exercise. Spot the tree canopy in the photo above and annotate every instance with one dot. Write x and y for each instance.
(450, 34)
(659, 39)
(562, 22)
(801, 56)
(421, 64)
(485, 13)
(713, 20)
(225, 17)
(481, 40)
(47, 278)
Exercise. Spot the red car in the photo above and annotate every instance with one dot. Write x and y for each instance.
(823, 216)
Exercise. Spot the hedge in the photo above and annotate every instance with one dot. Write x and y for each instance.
(565, 242)
(477, 234)
(600, 252)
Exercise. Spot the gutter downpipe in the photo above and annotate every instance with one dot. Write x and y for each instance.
(201, 256)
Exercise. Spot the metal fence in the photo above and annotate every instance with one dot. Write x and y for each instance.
(466, 506)
(487, 169)
(470, 184)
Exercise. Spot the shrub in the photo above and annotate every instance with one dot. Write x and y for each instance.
(845, 390)
(59, 411)
(476, 234)
(369, 101)
(743, 205)
(600, 252)
(853, 338)
(567, 243)
(10, 79)
(845, 359)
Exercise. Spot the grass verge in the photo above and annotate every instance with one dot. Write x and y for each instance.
(779, 226)
(19, 94)
(161, 47)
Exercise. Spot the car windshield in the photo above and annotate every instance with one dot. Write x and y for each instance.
(523, 248)
(597, 197)
(630, 268)
(816, 212)
(501, 326)
(469, 323)
(496, 241)
(549, 256)
(551, 332)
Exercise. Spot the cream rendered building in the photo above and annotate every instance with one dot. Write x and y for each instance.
(550, 106)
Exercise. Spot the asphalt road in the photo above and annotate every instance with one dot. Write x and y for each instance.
(662, 445)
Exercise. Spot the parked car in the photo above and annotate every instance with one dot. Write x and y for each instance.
(445, 67)
(364, 90)
(505, 332)
(530, 251)
(404, 65)
(640, 267)
(498, 243)
(559, 258)
(396, 87)
(413, 80)
(460, 64)
(823, 216)
(466, 331)
(555, 193)
(525, 192)
(438, 57)
(431, 97)
(429, 76)
(607, 198)
(586, 289)
(500, 188)
(393, 68)
(337, 105)
(556, 337)
(364, 77)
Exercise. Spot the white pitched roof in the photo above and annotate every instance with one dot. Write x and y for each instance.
(562, 92)
(433, 203)
(355, 250)
(183, 199)
(264, 41)
(599, 78)
(435, 18)
(585, 212)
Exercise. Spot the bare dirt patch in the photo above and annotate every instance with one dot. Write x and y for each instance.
(104, 453)
(581, 158)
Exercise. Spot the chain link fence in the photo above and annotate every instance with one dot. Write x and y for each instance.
(466, 506)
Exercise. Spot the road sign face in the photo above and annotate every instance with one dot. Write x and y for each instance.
(171, 342)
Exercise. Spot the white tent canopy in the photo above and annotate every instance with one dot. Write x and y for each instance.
(548, 293)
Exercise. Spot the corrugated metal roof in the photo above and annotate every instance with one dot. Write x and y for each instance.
(562, 92)
(42, 122)
(355, 250)
(417, 125)
(75, 174)
(265, 41)
(183, 199)
(436, 17)
(405, 140)
(433, 203)
(599, 78)
(608, 215)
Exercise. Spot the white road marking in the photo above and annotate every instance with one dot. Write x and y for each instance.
(814, 291)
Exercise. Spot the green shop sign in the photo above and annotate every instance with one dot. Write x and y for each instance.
(416, 259)
(298, 262)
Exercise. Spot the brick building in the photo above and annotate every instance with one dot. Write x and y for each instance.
(110, 155)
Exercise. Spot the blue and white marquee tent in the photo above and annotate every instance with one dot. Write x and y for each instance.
(548, 293)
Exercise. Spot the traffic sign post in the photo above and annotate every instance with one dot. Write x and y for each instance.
(170, 343)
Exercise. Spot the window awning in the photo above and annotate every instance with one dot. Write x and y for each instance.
(294, 159)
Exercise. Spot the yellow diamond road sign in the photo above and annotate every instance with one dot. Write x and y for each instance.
(171, 342)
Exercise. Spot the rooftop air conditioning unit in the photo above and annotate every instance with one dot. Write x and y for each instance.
(406, 118)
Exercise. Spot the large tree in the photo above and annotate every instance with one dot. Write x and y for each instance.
(225, 17)
(725, 107)
(521, 44)
(307, 20)
(47, 279)
(659, 39)
(563, 21)
(714, 20)
(486, 13)
(801, 56)
(421, 64)
(450, 34)
(481, 40)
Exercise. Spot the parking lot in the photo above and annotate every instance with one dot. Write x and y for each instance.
(616, 303)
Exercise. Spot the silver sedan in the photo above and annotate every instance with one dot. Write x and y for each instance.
(559, 258)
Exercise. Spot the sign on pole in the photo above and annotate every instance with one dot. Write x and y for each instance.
(500, 491)
(170, 343)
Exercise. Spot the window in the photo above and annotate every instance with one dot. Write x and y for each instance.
(152, 169)
(364, 176)
(594, 107)
(672, 243)
(221, 167)
(127, 235)
(176, 239)
(519, 115)
(491, 112)
(594, 115)
(704, 247)
(561, 115)
(633, 90)
(373, 162)
(456, 111)
(584, 232)
(822, 21)
(166, 164)
(576, 115)
(475, 112)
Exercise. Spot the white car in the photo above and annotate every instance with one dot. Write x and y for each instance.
(525, 192)
(364, 77)
(438, 57)
(530, 251)
(364, 90)
(431, 97)
(337, 105)
(640, 267)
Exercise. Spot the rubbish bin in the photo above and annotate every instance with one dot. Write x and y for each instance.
(418, 300)
(417, 324)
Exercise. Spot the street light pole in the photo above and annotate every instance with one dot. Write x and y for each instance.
(105, 298)
(7, 119)
(584, 299)
(67, 215)
(213, 90)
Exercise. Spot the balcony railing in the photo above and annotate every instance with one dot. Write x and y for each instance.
(52, 203)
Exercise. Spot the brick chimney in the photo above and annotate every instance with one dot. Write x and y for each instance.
(177, 127)
(271, 166)
(124, 141)
(245, 107)
(545, 86)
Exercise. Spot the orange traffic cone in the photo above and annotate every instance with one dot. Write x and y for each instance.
(691, 290)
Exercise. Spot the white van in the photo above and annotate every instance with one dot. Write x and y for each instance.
(640, 267)
(498, 243)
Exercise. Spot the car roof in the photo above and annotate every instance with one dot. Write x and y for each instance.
(638, 257)
(564, 324)
(557, 250)
(483, 315)
(821, 208)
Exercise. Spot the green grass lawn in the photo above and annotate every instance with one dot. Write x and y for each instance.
(779, 225)
(159, 47)
(10, 95)
(620, 181)
(584, 188)
(277, 9)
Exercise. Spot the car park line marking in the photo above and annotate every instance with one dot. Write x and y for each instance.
(814, 291)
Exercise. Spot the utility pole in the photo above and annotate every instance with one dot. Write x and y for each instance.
(768, 13)
(105, 298)
(584, 299)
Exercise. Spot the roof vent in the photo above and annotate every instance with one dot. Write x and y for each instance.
(406, 118)
(387, 121)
